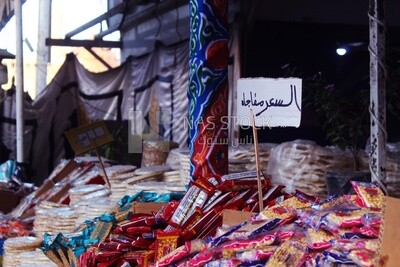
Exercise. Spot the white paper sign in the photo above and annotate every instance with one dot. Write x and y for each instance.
(275, 102)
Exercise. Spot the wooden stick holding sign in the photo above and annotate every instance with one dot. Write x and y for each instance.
(272, 103)
(90, 137)
(257, 154)
(101, 163)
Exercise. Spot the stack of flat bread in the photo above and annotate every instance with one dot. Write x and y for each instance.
(242, 157)
(13, 247)
(35, 258)
(42, 223)
(117, 175)
(302, 165)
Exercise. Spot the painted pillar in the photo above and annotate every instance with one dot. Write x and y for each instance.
(208, 88)
(377, 90)
(43, 51)
(19, 82)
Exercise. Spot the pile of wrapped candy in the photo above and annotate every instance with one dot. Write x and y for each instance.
(292, 230)
(14, 227)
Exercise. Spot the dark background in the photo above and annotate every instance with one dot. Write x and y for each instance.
(311, 48)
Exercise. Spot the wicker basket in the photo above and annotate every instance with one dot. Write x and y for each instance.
(155, 152)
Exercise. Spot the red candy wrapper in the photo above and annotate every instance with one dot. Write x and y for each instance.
(142, 243)
(166, 242)
(333, 257)
(253, 195)
(220, 200)
(106, 256)
(116, 247)
(260, 242)
(236, 203)
(290, 253)
(315, 259)
(165, 213)
(136, 216)
(370, 194)
(211, 227)
(87, 259)
(318, 240)
(120, 240)
(332, 221)
(205, 185)
(306, 198)
(286, 234)
(363, 257)
(200, 259)
(237, 185)
(141, 258)
(184, 206)
(246, 230)
(138, 230)
(273, 193)
(201, 224)
(346, 245)
(135, 222)
(274, 202)
(225, 263)
(193, 218)
(180, 253)
(366, 231)
(255, 254)
(289, 231)
(108, 263)
(372, 219)
(286, 214)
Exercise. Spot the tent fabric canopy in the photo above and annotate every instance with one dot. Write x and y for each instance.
(109, 95)
(5, 54)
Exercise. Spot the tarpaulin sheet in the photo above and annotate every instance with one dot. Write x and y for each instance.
(110, 95)
(8, 122)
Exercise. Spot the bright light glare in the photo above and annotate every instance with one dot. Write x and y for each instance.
(341, 51)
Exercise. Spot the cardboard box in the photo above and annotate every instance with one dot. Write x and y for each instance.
(9, 199)
(147, 207)
(233, 217)
(390, 247)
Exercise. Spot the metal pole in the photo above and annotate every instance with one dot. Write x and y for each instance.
(236, 74)
(43, 51)
(377, 90)
(19, 83)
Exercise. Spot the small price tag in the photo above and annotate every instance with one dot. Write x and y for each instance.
(88, 137)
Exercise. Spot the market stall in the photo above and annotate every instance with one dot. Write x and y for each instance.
(208, 224)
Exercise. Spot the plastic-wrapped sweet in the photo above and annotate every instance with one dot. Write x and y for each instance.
(370, 194)
(336, 257)
(253, 255)
(182, 252)
(284, 213)
(334, 220)
(290, 253)
(318, 239)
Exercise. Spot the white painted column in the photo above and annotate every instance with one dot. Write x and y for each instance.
(377, 90)
(43, 51)
(19, 82)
